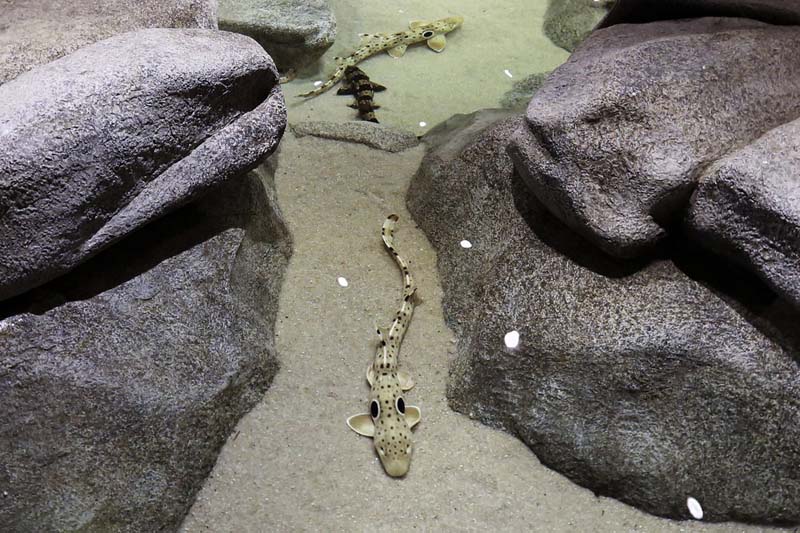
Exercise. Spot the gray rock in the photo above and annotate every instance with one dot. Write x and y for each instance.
(363, 132)
(294, 32)
(639, 11)
(121, 380)
(617, 136)
(34, 32)
(747, 207)
(568, 22)
(522, 91)
(96, 144)
(633, 379)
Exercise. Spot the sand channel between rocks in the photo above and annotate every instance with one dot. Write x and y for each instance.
(293, 465)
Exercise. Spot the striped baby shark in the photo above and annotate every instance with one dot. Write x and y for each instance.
(395, 44)
(390, 420)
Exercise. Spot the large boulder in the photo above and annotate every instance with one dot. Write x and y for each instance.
(101, 142)
(294, 32)
(33, 32)
(747, 207)
(121, 380)
(639, 11)
(647, 381)
(616, 137)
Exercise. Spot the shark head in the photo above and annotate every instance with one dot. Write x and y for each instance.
(389, 420)
(450, 23)
(434, 32)
(436, 27)
(389, 423)
(392, 439)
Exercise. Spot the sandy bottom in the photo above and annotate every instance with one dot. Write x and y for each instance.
(424, 86)
(293, 465)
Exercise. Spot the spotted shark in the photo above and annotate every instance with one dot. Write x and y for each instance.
(390, 420)
(395, 44)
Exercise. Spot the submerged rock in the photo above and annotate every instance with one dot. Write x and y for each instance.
(34, 32)
(121, 380)
(568, 22)
(747, 207)
(616, 137)
(96, 144)
(522, 91)
(645, 381)
(294, 32)
(375, 135)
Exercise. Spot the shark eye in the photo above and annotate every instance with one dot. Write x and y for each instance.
(428, 34)
(374, 408)
(401, 405)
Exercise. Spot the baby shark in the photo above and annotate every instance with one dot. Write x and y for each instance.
(433, 33)
(390, 420)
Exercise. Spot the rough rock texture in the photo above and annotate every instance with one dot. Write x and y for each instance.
(374, 135)
(294, 32)
(616, 137)
(523, 90)
(747, 207)
(121, 380)
(109, 138)
(568, 22)
(634, 379)
(33, 32)
(638, 11)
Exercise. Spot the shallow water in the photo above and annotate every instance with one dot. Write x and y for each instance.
(424, 86)
(292, 464)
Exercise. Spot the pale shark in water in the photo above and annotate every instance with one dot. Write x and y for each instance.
(390, 420)
(395, 44)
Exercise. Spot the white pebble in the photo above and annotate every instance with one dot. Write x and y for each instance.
(694, 508)
(512, 339)
(508, 73)
(317, 83)
(466, 244)
(342, 281)
(423, 124)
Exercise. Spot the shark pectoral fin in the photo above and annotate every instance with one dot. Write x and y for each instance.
(413, 416)
(346, 89)
(406, 382)
(362, 424)
(377, 87)
(414, 24)
(354, 106)
(370, 374)
(397, 51)
(437, 43)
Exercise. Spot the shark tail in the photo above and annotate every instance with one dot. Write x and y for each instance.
(333, 80)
